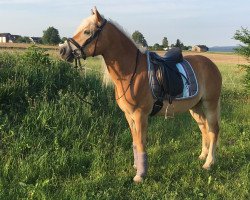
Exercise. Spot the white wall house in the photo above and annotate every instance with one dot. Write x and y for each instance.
(200, 48)
(2, 39)
(8, 38)
(5, 37)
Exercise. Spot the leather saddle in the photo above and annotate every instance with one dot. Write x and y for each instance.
(168, 76)
(174, 55)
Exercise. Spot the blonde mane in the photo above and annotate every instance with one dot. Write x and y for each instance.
(138, 45)
(106, 80)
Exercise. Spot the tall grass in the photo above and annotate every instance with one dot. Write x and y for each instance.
(53, 145)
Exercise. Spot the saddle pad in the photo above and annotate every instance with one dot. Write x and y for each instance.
(190, 88)
(190, 84)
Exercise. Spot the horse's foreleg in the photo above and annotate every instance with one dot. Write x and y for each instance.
(141, 124)
(133, 134)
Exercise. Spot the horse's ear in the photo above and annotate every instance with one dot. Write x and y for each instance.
(97, 14)
(92, 12)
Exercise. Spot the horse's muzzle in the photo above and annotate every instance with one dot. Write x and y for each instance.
(66, 53)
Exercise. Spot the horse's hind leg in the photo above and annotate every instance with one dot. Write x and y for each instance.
(212, 113)
(198, 115)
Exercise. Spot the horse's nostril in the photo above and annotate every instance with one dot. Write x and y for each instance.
(62, 51)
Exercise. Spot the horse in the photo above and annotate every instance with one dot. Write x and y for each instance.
(127, 67)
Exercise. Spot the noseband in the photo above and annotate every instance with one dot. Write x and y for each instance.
(79, 48)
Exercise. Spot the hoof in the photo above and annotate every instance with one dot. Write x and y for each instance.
(138, 179)
(207, 165)
(202, 157)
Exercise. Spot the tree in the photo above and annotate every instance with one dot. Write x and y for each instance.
(179, 44)
(156, 47)
(139, 38)
(165, 42)
(22, 40)
(243, 36)
(63, 39)
(51, 36)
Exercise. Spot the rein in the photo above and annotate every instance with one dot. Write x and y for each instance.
(133, 75)
(130, 82)
(80, 48)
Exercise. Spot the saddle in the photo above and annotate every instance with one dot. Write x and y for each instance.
(169, 78)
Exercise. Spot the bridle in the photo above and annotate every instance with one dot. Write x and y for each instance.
(77, 56)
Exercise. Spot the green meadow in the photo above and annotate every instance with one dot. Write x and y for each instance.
(54, 145)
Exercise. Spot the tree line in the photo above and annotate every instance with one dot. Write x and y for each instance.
(50, 37)
(138, 38)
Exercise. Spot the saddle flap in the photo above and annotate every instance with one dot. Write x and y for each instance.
(169, 79)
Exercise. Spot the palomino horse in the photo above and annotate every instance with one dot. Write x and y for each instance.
(127, 67)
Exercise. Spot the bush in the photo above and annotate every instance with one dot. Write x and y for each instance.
(243, 36)
(247, 77)
(34, 76)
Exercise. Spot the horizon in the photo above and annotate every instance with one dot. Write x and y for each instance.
(210, 23)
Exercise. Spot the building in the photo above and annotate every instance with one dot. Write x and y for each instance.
(35, 39)
(8, 38)
(200, 48)
(5, 38)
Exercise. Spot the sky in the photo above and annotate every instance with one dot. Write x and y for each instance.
(210, 22)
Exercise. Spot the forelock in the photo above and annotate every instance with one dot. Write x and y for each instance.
(88, 22)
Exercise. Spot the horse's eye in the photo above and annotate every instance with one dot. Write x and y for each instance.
(87, 32)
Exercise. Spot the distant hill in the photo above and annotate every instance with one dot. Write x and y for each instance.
(222, 48)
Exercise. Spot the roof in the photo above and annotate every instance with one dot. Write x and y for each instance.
(16, 36)
(36, 38)
(4, 34)
(201, 46)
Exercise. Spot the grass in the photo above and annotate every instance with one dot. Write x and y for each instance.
(55, 146)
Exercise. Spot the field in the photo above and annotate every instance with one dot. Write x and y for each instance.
(53, 145)
(23, 46)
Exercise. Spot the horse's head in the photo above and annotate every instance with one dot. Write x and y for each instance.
(84, 42)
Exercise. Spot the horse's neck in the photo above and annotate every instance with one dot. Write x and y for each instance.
(120, 55)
